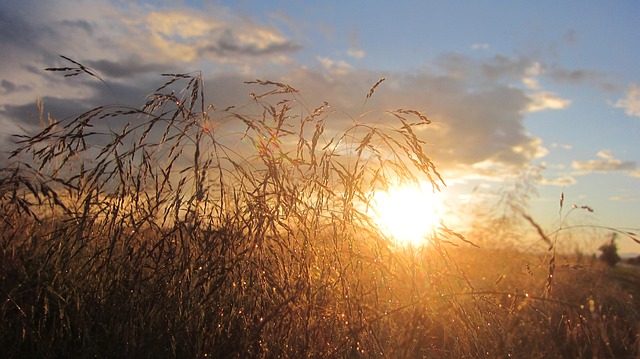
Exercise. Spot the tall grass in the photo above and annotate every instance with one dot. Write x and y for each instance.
(177, 229)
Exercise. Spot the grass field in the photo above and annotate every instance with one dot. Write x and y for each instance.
(165, 232)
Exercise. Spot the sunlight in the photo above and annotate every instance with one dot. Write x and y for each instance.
(408, 214)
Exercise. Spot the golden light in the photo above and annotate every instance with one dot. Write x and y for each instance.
(408, 213)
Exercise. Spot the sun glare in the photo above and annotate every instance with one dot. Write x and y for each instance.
(408, 214)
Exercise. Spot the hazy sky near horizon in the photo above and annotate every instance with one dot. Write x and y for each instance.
(508, 85)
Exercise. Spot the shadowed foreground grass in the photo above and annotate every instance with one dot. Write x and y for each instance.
(183, 231)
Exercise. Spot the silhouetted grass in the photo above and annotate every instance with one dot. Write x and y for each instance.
(180, 230)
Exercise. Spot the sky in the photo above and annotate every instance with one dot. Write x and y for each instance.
(510, 86)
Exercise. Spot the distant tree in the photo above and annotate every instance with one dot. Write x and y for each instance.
(634, 261)
(610, 252)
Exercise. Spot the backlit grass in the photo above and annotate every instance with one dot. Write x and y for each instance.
(177, 229)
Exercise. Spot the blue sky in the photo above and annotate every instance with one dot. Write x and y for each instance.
(554, 85)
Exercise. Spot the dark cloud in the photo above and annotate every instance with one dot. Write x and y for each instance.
(26, 120)
(571, 76)
(502, 67)
(27, 116)
(477, 126)
(127, 68)
(469, 127)
(79, 24)
(226, 90)
(8, 87)
(26, 30)
(14, 26)
(228, 44)
(576, 77)
(494, 70)
(582, 77)
(132, 94)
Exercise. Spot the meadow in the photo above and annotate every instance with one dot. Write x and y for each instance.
(180, 230)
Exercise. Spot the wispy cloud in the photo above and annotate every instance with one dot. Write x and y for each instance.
(626, 198)
(563, 146)
(635, 173)
(606, 163)
(631, 103)
(356, 53)
(480, 46)
(561, 181)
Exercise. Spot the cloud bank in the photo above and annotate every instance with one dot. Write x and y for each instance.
(477, 105)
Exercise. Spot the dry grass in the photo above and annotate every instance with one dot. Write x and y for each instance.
(180, 230)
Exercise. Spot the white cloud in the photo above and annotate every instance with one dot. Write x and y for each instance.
(339, 67)
(562, 146)
(541, 100)
(606, 154)
(190, 36)
(534, 149)
(547, 101)
(631, 103)
(356, 53)
(480, 46)
(179, 25)
(531, 83)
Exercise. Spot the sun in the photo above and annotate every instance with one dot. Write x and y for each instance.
(407, 213)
